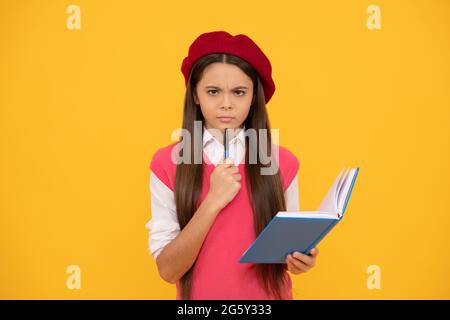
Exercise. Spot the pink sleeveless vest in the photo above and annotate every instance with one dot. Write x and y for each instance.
(217, 272)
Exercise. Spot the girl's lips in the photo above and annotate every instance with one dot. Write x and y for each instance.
(225, 119)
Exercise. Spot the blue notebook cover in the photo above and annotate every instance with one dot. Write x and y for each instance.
(284, 235)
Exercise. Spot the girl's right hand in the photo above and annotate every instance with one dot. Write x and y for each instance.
(224, 183)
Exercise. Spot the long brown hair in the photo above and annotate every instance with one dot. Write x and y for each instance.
(265, 191)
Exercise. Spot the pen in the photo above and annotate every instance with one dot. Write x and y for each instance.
(226, 144)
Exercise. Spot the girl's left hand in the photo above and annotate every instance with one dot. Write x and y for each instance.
(299, 263)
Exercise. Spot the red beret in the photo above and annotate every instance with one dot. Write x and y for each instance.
(239, 45)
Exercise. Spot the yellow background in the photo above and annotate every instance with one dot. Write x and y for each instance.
(83, 111)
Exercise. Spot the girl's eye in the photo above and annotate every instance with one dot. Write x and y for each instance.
(213, 92)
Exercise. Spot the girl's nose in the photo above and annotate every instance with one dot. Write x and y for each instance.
(226, 103)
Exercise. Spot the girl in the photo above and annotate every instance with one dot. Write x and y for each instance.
(205, 215)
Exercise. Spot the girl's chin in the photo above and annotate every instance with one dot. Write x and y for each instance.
(225, 125)
(222, 126)
(226, 122)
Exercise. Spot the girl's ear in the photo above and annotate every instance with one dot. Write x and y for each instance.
(196, 99)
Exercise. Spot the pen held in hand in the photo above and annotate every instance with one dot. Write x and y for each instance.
(226, 144)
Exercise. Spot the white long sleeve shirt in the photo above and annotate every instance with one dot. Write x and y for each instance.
(163, 226)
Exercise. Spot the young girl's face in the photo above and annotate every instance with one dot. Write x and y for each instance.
(224, 93)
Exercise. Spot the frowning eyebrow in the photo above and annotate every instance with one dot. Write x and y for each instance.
(215, 87)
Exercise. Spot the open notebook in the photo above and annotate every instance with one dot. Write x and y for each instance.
(302, 230)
